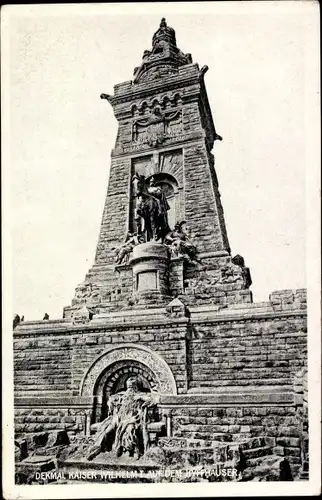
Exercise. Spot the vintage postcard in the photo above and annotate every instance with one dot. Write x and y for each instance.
(161, 268)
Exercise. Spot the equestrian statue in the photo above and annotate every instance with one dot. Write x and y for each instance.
(151, 209)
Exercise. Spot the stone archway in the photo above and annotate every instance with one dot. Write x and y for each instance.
(154, 365)
(113, 379)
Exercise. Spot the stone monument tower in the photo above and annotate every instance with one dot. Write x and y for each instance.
(162, 347)
(163, 231)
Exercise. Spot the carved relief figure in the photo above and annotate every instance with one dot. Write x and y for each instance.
(236, 272)
(180, 242)
(151, 208)
(126, 423)
(86, 292)
(154, 129)
(123, 251)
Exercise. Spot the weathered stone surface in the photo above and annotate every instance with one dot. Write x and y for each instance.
(231, 372)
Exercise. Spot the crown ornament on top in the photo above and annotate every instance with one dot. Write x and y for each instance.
(164, 58)
(164, 32)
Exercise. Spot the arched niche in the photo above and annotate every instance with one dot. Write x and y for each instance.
(158, 373)
(113, 381)
(169, 186)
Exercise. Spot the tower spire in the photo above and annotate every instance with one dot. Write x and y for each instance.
(165, 33)
(164, 57)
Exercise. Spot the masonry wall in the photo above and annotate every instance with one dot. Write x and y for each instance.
(54, 364)
(42, 365)
(278, 424)
(170, 344)
(247, 352)
(203, 355)
(30, 420)
(115, 214)
(202, 201)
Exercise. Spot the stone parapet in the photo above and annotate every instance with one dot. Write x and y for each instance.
(288, 299)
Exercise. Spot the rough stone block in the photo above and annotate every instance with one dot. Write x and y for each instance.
(279, 450)
(290, 451)
(288, 441)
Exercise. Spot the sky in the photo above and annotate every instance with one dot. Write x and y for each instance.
(59, 59)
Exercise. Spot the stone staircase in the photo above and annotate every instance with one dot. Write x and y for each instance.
(253, 459)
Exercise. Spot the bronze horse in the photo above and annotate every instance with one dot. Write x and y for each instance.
(152, 207)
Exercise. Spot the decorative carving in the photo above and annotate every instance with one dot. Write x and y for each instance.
(82, 316)
(209, 282)
(144, 165)
(144, 146)
(180, 243)
(127, 422)
(164, 57)
(170, 442)
(168, 101)
(87, 293)
(203, 70)
(160, 71)
(108, 382)
(142, 354)
(176, 309)
(123, 252)
(107, 97)
(167, 163)
(232, 274)
(151, 209)
(203, 284)
(155, 129)
(236, 272)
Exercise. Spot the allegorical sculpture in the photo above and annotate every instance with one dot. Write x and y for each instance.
(123, 252)
(155, 126)
(151, 209)
(125, 428)
(180, 243)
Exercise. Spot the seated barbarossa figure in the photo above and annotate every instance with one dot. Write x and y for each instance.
(124, 250)
(126, 423)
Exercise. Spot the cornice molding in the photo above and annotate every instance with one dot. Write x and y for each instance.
(192, 139)
(156, 86)
(157, 323)
(260, 396)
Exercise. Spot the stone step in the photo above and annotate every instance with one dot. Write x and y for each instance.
(258, 452)
(211, 439)
(257, 442)
(304, 475)
(262, 468)
(207, 436)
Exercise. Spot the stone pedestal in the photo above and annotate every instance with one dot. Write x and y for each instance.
(150, 265)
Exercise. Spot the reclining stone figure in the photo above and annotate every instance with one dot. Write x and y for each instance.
(123, 251)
